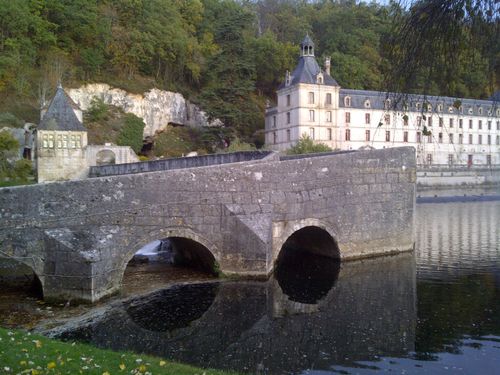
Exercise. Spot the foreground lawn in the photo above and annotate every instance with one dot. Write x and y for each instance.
(24, 353)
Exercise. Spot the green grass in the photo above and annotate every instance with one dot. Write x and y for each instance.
(25, 353)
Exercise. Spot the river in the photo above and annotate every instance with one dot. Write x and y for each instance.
(436, 310)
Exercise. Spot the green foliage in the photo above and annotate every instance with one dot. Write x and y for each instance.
(131, 133)
(306, 145)
(237, 145)
(177, 141)
(97, 110)
(26, 353)
(8, 119)
(12, 172)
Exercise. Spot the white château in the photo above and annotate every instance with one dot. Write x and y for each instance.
(443, 130)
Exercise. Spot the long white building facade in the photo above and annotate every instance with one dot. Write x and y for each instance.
(443, 130)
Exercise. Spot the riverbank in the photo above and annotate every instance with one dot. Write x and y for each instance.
(25, 353)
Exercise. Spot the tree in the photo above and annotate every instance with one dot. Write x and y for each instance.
(434, 44)
(11, 170)
(306, 145)
(132, 133)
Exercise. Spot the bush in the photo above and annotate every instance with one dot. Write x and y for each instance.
(8, 119)
(238, 145)
(97, 110)
(307, 146)
(131, 134)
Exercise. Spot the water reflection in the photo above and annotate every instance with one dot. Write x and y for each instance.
(257, 327)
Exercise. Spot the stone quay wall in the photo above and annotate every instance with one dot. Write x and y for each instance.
(78, 236)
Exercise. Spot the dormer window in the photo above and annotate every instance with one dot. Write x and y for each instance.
(480, 110)
(417, 106)
(387, 104)
(440, 108)
(367, 103)
(450, 109)
(347, 101)
(319, 79)
(471, 111)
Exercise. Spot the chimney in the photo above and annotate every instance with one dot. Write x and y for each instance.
(327, 65)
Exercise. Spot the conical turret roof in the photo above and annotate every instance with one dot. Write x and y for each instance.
(60, 114)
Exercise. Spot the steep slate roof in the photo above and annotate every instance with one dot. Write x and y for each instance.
(306, 71)
(377, 101)
(60, 114)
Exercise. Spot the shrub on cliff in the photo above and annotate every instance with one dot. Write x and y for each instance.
(131, 133)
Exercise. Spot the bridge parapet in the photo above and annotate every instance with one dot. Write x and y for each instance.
(86, 231)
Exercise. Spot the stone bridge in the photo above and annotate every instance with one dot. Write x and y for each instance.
(78, 236)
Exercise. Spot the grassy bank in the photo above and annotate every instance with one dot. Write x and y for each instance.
(24, 353)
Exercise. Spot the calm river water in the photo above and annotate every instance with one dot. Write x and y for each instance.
(435, 311)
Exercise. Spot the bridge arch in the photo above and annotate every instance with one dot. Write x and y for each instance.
(20, 273)
(181, 236)
(316, 235)
(105, 157)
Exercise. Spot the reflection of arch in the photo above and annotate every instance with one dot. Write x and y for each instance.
(172, 308)
(105, 157)
(294, 227)
(179, 234)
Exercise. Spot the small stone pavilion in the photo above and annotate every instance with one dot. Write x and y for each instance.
(62, 150)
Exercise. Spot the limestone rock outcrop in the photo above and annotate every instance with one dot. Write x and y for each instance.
(156, 107)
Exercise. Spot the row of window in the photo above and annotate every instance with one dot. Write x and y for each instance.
(312, 135)
(418, 138)
(428, 107)
(451, 121)
(311, 99)
(451, 159)
(61, 141)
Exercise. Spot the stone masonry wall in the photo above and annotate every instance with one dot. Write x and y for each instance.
(78, 236)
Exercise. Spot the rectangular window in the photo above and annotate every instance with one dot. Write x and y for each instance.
(348, 117)
(274, 121)
(429, 121)
(451, 122)
(65, 141)
(311, 98)
(419, 121)
(367, 118)
(460, 123)
(470, 139)
(387, 135)
(288, 117)
(275, 138)
(441, 121)
(405, 120)
(328, 98)
(288, 135)
(440, 138)
(429, 159)
(387, 119)
(367, 135)
(405, 136)
(489, 125)
(451, 138)
(288, 100)
(488, 159)
(480, 124)
(450, 159)
(348, 134)
(429, 138)
(329, 134)
(328, 116)
(419, 137)
(45, 141)
(51, 141)
(469, 160)
(489, 139)
(460, 139)
(470, 124)
(498, 125)
(311, 115)
(311, 133)
(479, 139)
(498, 139)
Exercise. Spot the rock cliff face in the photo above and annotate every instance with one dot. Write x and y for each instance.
(157, 108)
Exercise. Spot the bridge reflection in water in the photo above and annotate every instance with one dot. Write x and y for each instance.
(360, 311)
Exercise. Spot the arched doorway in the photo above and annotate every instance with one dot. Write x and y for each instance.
(308, 265)
(105, 157)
